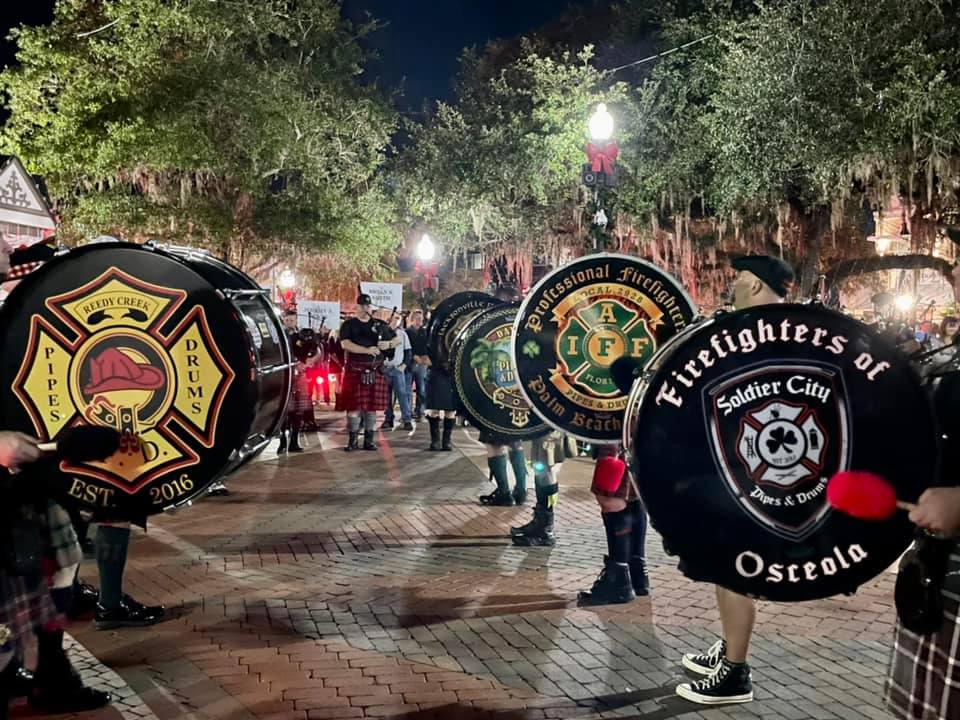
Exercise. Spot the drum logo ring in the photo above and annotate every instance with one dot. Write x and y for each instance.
(105, 354)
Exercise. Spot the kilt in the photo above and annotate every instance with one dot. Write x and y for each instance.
(924, 678)
(441, 394)
(300, 400)
(355, 396)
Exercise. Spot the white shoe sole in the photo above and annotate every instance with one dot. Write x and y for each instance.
(687, 693)
(698, 669)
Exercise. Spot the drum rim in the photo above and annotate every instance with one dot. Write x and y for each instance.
(542, 281)
(479, 419)
(432, 324)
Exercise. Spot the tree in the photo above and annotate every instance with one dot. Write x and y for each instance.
(237, 125)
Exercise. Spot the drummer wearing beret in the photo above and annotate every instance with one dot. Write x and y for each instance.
(761, 280)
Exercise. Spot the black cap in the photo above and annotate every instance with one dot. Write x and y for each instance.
(364, 299)
(777, 274)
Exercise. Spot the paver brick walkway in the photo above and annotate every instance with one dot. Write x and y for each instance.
(335, 585)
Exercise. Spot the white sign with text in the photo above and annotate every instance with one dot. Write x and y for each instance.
(310, 313)
(384, 295)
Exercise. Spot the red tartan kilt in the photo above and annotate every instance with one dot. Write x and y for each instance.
(356, 396)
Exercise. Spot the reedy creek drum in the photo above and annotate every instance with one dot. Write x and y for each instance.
(182, 353)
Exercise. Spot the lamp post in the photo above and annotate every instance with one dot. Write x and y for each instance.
(425, 279)
(600, 171)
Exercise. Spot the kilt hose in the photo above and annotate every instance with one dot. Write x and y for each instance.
(355, 396)
(924, 679)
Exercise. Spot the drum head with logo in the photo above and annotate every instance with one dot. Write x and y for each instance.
(486, 381)
(130, 338)
(576, 322)
(448, 319)
(742, 423)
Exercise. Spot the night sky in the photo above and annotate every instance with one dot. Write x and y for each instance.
(418, 48)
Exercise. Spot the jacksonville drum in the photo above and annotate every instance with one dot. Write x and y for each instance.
(449, 318)
(576, 322)
(486, 381)
(181, 353)
(739, 423)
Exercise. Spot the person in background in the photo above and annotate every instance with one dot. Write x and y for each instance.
(395, 370)
(417, 369)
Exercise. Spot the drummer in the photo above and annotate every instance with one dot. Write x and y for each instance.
(762, 280)
(499, 451)
(364, 386)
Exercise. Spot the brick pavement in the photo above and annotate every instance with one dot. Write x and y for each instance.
(336, 585)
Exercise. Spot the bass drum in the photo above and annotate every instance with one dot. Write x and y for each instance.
(180, 352)
(448, 319)
(486, 380)
(739, 423)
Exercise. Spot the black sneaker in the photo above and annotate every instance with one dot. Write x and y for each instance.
(728, 685)
(498, 498)
(408, 426)
(386, 427)
(705, 663)
(129, 613)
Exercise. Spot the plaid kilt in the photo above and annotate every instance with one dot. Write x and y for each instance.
(355, 396)
(924, 678)
(25, 604)
(63, 547)
(300, 400)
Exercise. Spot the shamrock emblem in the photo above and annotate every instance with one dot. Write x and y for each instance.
(531, 349)
(781, 438)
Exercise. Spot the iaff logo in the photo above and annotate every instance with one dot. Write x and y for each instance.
(495, 375)
(595, 331)
(778, 434)
(117, 366)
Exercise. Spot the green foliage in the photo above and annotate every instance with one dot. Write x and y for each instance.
(225, 123)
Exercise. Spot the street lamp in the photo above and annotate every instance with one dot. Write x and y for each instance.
(905, 302)
(287, 280)
(426, 249)
(601, 124)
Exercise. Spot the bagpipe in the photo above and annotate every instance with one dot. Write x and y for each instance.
(732, 426)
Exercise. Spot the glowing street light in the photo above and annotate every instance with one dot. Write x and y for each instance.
(426, 249)
(287, 280)
(905, 302)
(601, 124)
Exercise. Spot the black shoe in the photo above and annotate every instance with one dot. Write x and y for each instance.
(368, 443)
(295, 447)
(639, 576)
(611, 587)
(519, 496)
(16, 681)
(705, 663)
(85, 599)
(537, 532)
(386, 427)
(61, 698)
(130, 613)
(727, 685)
(408, 426)
(352, 442)
(501, 499)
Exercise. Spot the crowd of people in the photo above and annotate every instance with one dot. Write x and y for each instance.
(382, 364)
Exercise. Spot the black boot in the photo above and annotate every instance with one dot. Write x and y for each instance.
(447, 430)
(434, 433)
(129, 613)
(295, 442)
(638, 575)
(282, 448)
(498, 471)
(611, 587)
(57, 686)
(538, 531)
(85, 599)
(368, 443)
(352, 443)
(15, 682)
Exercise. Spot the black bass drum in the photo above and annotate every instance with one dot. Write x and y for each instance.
(739, 423)
(180, 352)
(448, 319)
(576, 322)
(486, 381)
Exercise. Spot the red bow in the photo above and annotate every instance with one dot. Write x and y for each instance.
(602, 158)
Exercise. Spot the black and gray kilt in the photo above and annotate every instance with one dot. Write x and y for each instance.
(356, 396)
(441, 393)
(924, 678)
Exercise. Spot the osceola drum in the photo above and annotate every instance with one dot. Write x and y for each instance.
(576, 322)
(738, 424)
(180, 352)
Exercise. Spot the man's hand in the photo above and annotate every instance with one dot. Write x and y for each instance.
(938, 510)
(384, 345)
(17, 449)
(375, 351)
(402, 367)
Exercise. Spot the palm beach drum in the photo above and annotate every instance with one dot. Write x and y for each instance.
(740, 422)
(576, 322)
(486, 381)
(180, 352)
